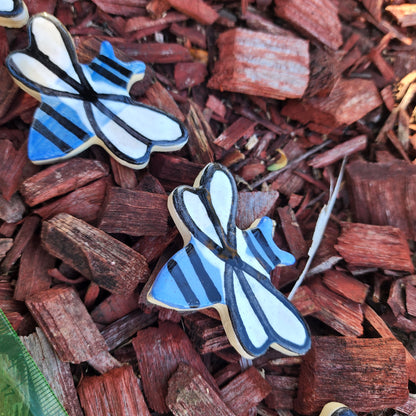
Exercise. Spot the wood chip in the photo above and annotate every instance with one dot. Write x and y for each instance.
(159, 97)
(114, 307)
(283, 391)
(197, 9)
(245, 391)
(350, 100)
(242, 127)
(66, 323)
(383, 194)
(115, 393)
(341, 314)
(84, 203)
(318, 19)
(144, 22)
(57, 373)
(338, 152)
(133, 212)
(374, 246)
(190, 394)
(292, 232)
(247, 57)
(404, 13)
(27, 230)
(12, 162)
(93, 253)
(345, 285)
(321, 381)
(206, 333)
(159, 352)
(33, 271)
(60, 179)
(254, 205)
(189, 74)
(11, 210)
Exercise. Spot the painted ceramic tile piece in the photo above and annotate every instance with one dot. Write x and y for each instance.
(82, 105)
(229, 269)
(13, 13)
(336, 409)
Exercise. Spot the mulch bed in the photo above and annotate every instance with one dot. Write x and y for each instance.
(278, 92)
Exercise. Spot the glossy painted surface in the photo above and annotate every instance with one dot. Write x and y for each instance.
(229, 269)
(13, 13)
(336, 409)
(82, 105)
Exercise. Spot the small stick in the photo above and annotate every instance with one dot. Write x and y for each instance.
(320, 229)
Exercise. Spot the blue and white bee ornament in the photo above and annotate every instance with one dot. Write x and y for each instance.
(229, 269)
(13, 13)
(336, 409)
(82, 105)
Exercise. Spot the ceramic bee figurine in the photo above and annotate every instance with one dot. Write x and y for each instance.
(336, 409)
(82, 105)
(13, 13)
(229, 269)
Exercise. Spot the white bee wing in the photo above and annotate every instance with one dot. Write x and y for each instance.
(49, 64)
(208, 210)
(260, 316)
(13, 13)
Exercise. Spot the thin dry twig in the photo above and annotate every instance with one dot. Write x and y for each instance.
(320, 229)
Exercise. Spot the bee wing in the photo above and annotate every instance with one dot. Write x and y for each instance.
(13, 13)
(49, 64)
(189, 280)
(57, 132)
(207, 211)
(130, 131)
(260, 316)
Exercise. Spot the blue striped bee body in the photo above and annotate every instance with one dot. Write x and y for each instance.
(86, 104)
(229, 269)
(13, 13)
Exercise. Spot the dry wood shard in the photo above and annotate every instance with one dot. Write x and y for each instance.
(33, 271)
(59, 179)
(341, 314)
(159, 352)
(404, 13)
(338, 152)
(245, 391)
(333, 370)
(283, 392)
(99, 257)
(134, 212)
(350, 100)
(380, 246)
(190, 394)
(257, 63)
(242, 127)
(254, 205)
(57, 373)
(318, 19)
(67, 324)
(197, 9)
(12, 162)
(384, 194)
(116, 392)
(83, 203)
